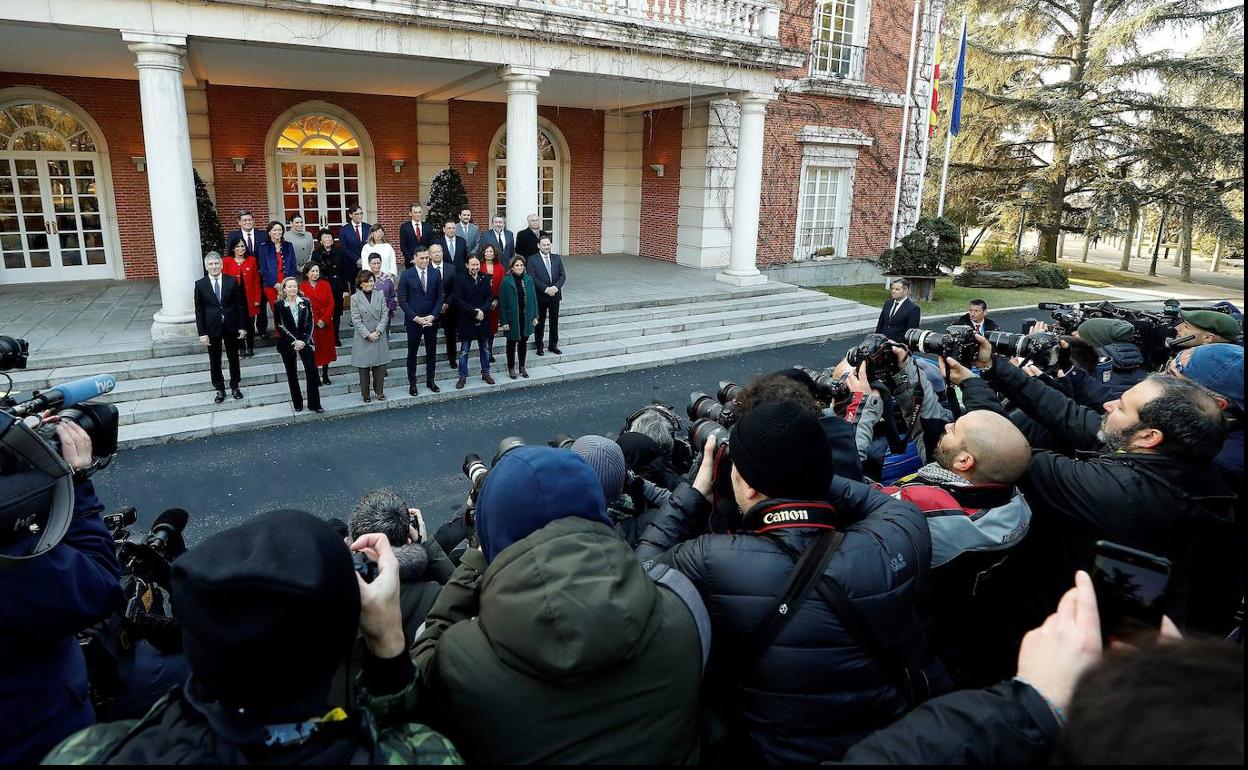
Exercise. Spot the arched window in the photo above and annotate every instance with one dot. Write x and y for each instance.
(548, 165)
(42, 128)
(319, 157)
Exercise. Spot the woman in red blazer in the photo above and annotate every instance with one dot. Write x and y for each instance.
(245, 270)
(493, 267)
(321, 294)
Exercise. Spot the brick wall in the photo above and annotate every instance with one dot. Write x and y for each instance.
(240, 120)
(874, 175)
(660, 196)
(106, 101)
(888, 42)
(473, 125)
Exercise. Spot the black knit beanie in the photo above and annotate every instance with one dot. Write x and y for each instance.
(780, 450)
(268, 609)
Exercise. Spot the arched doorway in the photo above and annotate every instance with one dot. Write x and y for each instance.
(552, 193)
(55, 203)
(321, 167)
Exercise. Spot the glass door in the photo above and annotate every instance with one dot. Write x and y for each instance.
(321, 190)
(51, 225)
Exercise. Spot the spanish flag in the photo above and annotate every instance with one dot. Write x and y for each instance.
(931, 116)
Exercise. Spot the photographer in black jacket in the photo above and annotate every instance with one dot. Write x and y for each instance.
(1144, 477)
(818, 680)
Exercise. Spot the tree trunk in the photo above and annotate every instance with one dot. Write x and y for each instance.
(1185, 245)
(1139, 239)
(1161, 224)
(1217, 255)
(1050, 214)
(1134, 222)
(1087, 239)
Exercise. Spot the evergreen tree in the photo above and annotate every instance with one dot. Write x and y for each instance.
(211, 237)
(447, 197)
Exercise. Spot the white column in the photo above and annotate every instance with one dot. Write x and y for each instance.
(160, 60)
(747, 192)
(521, 142)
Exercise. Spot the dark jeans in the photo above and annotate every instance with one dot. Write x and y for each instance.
(429, 336)
(450, 326)
(548, 305)
(514, 347)
(231, 342)
(482, 338)
(306, 355)
(262, 320)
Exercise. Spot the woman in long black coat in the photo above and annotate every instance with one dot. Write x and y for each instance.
(339, 269)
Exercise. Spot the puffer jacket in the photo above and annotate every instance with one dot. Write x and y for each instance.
(814, 691)
(562, 651)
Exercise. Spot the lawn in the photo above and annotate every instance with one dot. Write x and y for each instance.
(1080, 271)
(953, 299)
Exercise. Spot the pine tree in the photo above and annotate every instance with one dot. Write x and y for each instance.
(447, 197)
(210, 236)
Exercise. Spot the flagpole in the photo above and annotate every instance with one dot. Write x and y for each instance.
(927, 136)
(905, 121)
(944, 174)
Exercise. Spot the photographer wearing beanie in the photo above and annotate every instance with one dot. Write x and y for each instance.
(269, 610)
(816, 678)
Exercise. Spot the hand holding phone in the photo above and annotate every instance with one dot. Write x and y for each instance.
(1130, 585)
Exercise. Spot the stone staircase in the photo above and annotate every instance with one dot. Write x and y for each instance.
(165, 394)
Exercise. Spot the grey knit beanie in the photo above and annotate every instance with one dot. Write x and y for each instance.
(607, 460)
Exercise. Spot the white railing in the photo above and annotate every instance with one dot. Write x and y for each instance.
(749, 18)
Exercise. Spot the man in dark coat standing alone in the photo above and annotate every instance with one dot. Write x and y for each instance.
(900, 312)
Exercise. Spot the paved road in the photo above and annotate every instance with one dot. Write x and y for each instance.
(324, 467)
(1230, 277)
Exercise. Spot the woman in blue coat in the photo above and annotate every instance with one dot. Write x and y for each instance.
(517, 313)
(274, 270)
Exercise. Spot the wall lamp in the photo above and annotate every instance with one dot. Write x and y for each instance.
(398, 164)
(140, 162)
(471, 166)
(239, 163)
(658, 168)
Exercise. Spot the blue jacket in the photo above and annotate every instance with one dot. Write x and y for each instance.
(352, 245)
(414, 302)
(266, 255)
(43, 681)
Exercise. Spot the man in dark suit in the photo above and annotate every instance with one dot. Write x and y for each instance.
(548, 278)
(454, 247)
(448, 316)
(420, 299)
(526, 239)
(413, 234)
(221, 320)
(354, 234)
(976, 317)
(246, 232)
(503, 240)
(473, 294)
(899, 313)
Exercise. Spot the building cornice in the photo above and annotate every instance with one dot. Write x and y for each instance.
(831, 135)
(844, 89)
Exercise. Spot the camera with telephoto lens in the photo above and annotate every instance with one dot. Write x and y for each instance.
(958, 343)
(829, 389)
(1043, 349)
(13, 353)
(877, 351)
(475, 470)
(699, 432)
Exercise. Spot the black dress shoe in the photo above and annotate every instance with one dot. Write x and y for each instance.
(433, 388)
(299, 407)
(412, 391)
(511, 373)
(460, 384)
(487, 379)
(220, 397)
(238, 394)
(524, 372)
(540, 351)
(556, 350)
(318, 409)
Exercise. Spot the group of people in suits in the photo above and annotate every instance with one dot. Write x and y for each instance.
(469, 283)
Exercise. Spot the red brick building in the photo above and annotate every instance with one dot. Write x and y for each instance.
(731, 134)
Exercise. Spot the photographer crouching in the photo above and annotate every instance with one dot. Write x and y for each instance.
(59, 574)
(1143, 477)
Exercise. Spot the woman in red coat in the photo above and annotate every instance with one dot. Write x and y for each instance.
(245, 270)
(321, 294)
(491, 266)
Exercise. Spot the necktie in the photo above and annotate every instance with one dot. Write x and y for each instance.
(251, 249)
(450, 248)
(216, 288)
(546, 259)
(418, 231)
(358, 236)
(896, 306)
(423, 285)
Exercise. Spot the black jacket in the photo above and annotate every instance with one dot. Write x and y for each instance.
(289, 329)
(408, 242)
(469, 295)
(1009, 724)
(908, 316)
(965, 320)
(526, 241)
(814, 691)
(216, 319)
(1152, 502)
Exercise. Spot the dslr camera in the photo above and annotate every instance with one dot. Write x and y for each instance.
(475, 470)
(699, 432)
(957, 342)
(721, 408)
(1040, 348)
(829, 389)
(877, 351)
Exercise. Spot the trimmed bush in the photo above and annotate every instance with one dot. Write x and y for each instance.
(1049, 275)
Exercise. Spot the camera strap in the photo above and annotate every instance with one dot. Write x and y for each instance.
(19, 439)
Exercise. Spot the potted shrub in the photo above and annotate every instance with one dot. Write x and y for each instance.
(929, 252)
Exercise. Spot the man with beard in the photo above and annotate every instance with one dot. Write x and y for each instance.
(1142, 476)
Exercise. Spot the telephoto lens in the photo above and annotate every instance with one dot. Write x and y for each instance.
(1006, 343)
(958, 343)
(561, 441)
(475, 469)
(702, 406)
(705, 428)
(13, 353)
(98, 420)
(728, 392)
(506, 445)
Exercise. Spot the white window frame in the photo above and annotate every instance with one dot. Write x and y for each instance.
(857, 71)
(830, 148)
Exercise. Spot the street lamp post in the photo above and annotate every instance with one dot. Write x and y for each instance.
(1025, 194)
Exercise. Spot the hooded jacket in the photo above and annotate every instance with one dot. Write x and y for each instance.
(561, 650)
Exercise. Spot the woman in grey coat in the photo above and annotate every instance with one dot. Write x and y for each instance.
(370, 349)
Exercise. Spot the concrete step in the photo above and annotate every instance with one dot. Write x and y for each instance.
(228, 418)
(161, 397)
(606, 326)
